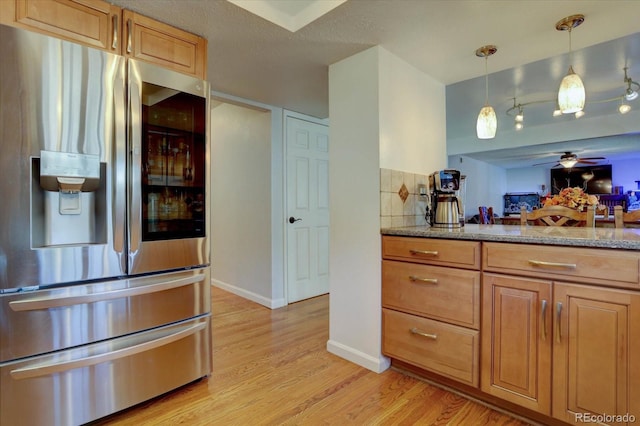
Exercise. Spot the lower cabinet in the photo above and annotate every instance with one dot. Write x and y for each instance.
(552, 330)
(565, 350)
(516, 340)
(431, 305)
(596, 354)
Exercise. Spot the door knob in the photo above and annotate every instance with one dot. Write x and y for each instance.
(293, 219)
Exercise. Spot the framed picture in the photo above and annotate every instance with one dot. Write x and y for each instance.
(514, 201)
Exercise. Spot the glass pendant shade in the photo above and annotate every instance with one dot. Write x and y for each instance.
(571, 96)
(487, 123)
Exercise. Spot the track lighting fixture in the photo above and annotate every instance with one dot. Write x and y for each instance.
(630, 94)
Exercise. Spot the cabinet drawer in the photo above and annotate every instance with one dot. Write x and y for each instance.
(460, 254)
(445, 349)
(620, 268)
(447, 294)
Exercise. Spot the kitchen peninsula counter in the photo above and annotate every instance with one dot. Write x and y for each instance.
(463, 306)
(627, 239)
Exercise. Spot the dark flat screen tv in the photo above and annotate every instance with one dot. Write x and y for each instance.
(593, 179)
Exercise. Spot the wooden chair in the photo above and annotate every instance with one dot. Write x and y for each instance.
(559, 216)
(620, 217)
(486, 215)
(603, 211)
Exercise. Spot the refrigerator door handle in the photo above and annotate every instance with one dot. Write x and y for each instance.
(56, 302)
(58, 367)
(135, 129)
(119, 169)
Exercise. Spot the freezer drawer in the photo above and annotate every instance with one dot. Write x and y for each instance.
(50, 320)
(82, 384)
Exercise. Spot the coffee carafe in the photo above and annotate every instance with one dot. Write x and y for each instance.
(446, 205)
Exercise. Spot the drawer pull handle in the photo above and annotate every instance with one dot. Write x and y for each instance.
(114, 36)
(558, 318)
(553, 264)
(544, 320)
(422, 333)
(129, 31)
(423, 280)
(424, 252)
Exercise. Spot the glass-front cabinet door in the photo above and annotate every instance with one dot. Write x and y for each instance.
(173, 164)
(168, 170)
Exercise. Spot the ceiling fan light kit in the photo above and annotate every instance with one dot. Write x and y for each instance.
(487, 122)
(571, 98)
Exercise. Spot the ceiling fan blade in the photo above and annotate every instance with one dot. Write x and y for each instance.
(583, 161)
(542, 164)
(592, 158)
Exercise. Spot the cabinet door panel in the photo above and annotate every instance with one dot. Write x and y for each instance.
(161, 44)
(516, 340)
(596, 352)
(90, 22)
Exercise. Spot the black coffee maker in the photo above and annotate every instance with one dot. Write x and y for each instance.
(445, 203)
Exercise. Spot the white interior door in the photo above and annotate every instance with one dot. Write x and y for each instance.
(308, 209)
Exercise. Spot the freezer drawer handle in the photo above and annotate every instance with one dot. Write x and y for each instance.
(56, 302)
(48, 369)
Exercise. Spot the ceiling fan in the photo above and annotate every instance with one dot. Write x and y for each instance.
(569, 159)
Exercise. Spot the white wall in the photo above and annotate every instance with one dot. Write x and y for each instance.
(412, 113)
(241, 235)
(529, 179)
(372, 124)
(485, 184)
(354, 250)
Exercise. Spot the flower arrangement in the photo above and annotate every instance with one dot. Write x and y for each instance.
(574, 198)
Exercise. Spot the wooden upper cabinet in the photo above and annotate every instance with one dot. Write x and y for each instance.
(93, 23)
(98, 24)
(152, 41)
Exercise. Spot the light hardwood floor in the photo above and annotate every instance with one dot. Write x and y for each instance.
(271, 367)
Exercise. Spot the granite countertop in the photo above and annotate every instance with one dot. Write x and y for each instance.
(628, 239)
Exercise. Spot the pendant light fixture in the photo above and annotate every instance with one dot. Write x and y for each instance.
(571, 95)
(487, 121)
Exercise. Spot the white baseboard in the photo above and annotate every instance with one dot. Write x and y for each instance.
(264, 301)
(377, 365)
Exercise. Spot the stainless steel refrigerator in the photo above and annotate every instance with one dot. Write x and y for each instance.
(104, 255)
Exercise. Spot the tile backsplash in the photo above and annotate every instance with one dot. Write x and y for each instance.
(400, 200)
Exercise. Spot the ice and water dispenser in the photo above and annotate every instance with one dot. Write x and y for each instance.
(68, 201)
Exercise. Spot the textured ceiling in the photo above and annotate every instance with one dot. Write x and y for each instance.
(252, 58)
